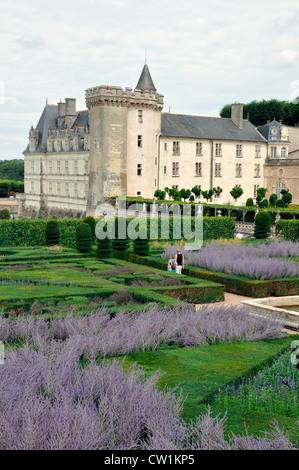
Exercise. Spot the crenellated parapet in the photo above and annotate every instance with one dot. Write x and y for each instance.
(116, 96)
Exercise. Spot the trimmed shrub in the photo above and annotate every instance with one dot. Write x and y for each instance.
(141, 247)
(84, 238)
(288, 229)
(272, 200)
(52, 233)
(120, 244)
(280, 203)
(249, 202)
(103, 248)
(262, 225)
(91, 221)
(4, 214)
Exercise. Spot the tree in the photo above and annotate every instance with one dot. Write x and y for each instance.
(208, 194)
(236, 193)
(217, 191)
(260, 111)
(160, 194)
(249, 202)
(185, 193)
(196, 191)
(4, 214)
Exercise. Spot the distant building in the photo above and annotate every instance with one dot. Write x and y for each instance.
(124, 145)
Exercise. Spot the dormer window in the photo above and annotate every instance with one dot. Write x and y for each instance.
(274, 133)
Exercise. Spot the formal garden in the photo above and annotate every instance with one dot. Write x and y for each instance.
(106, 349)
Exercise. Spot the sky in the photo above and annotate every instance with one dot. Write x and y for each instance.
(201, 54)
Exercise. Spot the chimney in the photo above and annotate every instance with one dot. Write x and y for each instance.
(70, 111)
(61, 113)
(237, 114)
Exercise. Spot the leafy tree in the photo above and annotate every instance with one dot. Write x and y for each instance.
(260, 111)
(12, 169)
(208, 194)
(249, 202)
(236, 193)
(185, 193)
(160, 194)
(196, 191)
(217, 191)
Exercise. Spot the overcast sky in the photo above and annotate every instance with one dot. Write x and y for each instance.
(202, 55)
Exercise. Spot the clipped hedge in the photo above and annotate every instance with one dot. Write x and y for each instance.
(84, 237)
(288, 229)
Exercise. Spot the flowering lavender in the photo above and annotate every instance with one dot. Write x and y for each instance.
(258, 262)
(98, 335)
(273, 389)
(48, 401)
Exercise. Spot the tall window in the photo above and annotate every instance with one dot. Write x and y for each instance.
(273, 153)
(165, 146)
(76, 167)
(66, 167)
(139, 169)
(238, 170)
(198, 149)
(175, 169)
(256, 187)
(32, 167)
(239, 150)
(257, 171)
(32, 186)
(176, 148)
(218, 150)
(140, 115)
(165, 170)
(76, 189)
(283, 152)
(198, 169)
(217, 169)
(278, 188)
(258, 151)
(58, 188)
(66, 189)
(50, 167)
(58, 166)
(139, 141)
(86, 167)
(50, 187)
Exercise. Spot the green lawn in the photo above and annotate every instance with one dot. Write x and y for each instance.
(201, 371)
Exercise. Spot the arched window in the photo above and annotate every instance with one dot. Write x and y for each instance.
(283, 152)
(278, 188)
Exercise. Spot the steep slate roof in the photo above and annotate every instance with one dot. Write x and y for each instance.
(182, 125)
(49, 120)
(266, 129)
(145, 81)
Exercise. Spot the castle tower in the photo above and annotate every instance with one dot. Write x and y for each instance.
(124, 133)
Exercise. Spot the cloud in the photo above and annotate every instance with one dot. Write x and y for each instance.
(289, 56)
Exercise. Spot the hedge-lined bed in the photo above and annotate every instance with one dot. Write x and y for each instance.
(235, 284)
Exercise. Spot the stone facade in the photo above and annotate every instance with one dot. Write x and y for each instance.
(124, 145)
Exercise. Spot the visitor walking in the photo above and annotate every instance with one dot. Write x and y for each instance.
(180, 261)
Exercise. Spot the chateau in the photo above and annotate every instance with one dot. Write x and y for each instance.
(123, 144)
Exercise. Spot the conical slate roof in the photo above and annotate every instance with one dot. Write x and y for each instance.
(145, 81)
